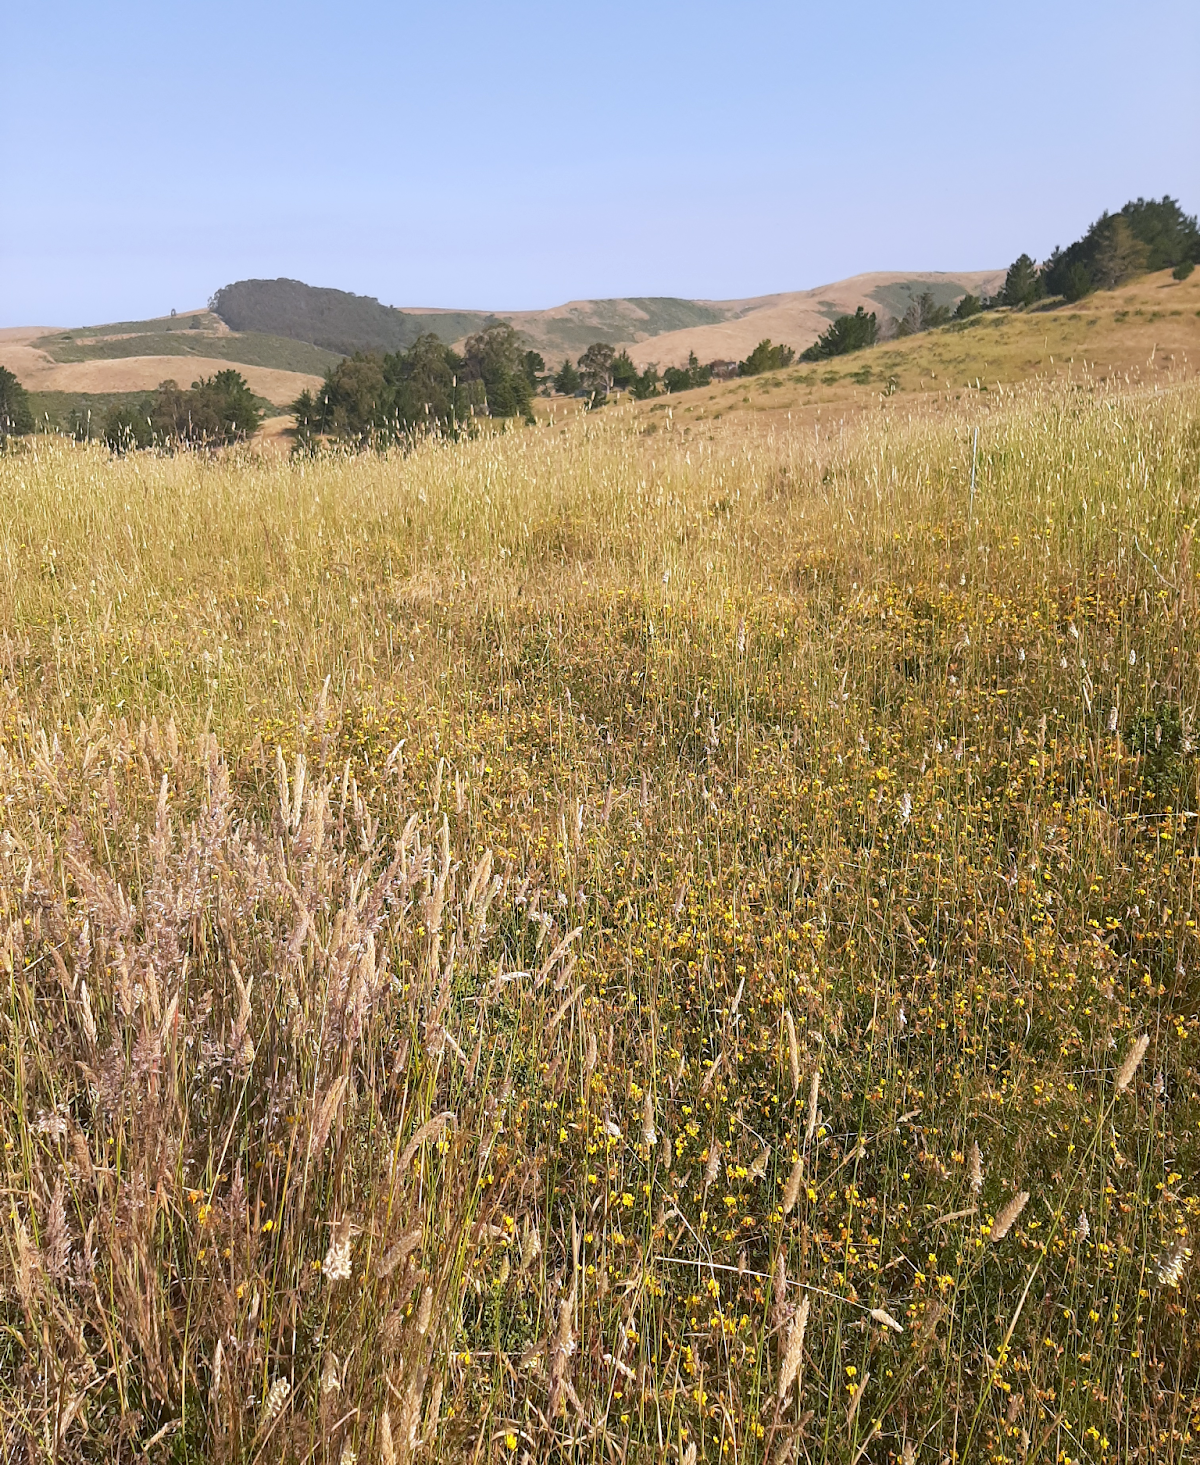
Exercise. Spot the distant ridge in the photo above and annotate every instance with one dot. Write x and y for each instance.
(658, 328)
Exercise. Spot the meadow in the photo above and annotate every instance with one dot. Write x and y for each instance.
(588, 944)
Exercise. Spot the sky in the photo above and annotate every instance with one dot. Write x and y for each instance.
(505, 156)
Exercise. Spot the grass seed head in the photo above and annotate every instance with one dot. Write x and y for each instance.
(1004, 1222)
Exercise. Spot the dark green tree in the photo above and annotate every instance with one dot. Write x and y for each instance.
(766, 357)
(426, 392)
(968, 306)
(1170, 235)
(16, 415)
(127, 428)
(227, 396)
(847, 333)
(1182, 270)
(646, 384)
(1023, 284)
(595, 369)
(1119, 254)
(624, 373)
(566, 380)
(494, 357)
(534, 368)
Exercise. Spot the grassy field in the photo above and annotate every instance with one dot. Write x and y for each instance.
(1144, 334)
(605, 945)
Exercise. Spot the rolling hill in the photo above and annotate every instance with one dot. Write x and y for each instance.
(282, 335)
(663, 329)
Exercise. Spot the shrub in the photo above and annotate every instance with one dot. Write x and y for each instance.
(766, 357)
(847, 333)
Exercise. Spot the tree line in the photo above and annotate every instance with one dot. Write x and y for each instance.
(372, 399)
(1146, 235)
(215, 411)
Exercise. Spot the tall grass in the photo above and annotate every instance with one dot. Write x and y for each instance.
(605, 946)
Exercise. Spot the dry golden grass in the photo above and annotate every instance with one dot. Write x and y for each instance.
(1145, 334)
(573, 944)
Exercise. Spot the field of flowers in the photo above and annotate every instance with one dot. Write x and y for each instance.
(606, 946)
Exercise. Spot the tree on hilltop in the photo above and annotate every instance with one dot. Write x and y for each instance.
(1023, 284)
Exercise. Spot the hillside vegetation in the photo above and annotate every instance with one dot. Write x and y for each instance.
(582, 944)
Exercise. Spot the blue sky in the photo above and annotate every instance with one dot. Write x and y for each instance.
(508, 156)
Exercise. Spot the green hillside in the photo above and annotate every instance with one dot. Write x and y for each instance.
(250, 349)
(335, 319)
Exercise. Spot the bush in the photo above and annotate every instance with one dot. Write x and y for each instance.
(1183, 270)
(647, 384)
(765, 357)
(684, 378)
(127, 428)
(968, 306)
(847, 333)
(923, 315)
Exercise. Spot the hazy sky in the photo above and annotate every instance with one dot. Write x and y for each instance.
(506, 156)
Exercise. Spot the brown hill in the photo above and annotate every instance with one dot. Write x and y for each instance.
(796, 318)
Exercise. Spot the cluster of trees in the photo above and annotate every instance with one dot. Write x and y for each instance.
(371, 399)
(602, 369)
(16, 415)
(1147, 234)
(216, 410)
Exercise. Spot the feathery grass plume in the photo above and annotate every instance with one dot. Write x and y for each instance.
(1132, 1060)
(331, 1379)
(688, 1457)
(856, 1400)
(349, 1455)
(759, 1166)
(1170, 1265)
(395, 1255)
(649, 1133)
(531, 1245)
(214, 1387)
(431, 1129)
(791, 1191)
(975, 1170)
(336, 1267)
(793, 1352)
(779, 1286)
(814, 1090)
(713, 1163)
(1003, 1223)
(886, 1320)
(793, 1049)
(561, 1350)
(1083, 1227)
(277, 1397)
(326, 1110)
(433, 1412)
(57, 1241)
(425, 1310)
(387, 1446)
